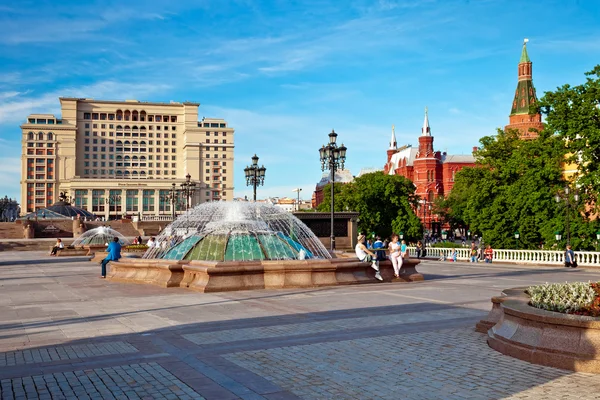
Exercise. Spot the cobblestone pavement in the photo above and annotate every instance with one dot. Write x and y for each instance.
(65, 334)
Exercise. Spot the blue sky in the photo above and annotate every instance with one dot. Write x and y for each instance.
(284, 73)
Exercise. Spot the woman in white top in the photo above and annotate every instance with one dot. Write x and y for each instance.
(365, 255)
(395, 255)
(151, 242)
(58, 246)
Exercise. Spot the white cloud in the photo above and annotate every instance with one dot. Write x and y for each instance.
(19, 106)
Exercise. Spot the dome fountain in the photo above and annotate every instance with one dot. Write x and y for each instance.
(95, 241)
(223, 246)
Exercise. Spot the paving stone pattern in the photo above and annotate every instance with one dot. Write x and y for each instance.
(65, 334)
(136, 381)
(39, 355)
(266, 332)
(444, 364)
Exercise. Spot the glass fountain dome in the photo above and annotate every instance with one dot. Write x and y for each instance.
(237, 231)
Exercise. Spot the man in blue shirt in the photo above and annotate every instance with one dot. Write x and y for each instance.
(114, 253)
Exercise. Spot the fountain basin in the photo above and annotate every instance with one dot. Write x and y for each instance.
(221, 276)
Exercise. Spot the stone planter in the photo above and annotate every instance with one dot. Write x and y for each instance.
(543, 337)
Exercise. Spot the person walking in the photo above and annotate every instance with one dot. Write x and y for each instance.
(570, 261)
(395, 255)
(488, 254)
(58, 246)
(114, 254)
(365, 255)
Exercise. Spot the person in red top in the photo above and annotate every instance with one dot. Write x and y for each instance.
(488, 254)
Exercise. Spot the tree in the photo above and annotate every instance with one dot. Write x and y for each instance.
(573, 114)
(510, 190)
(385, 204)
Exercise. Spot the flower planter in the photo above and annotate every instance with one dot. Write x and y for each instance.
(543, 337)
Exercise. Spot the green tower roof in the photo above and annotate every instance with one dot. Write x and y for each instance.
(524, 55)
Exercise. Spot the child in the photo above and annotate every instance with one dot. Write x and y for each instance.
(366, 255)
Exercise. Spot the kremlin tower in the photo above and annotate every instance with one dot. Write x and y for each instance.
(523, 116)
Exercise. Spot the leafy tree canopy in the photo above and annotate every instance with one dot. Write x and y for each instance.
(385, 203)
(573, 114)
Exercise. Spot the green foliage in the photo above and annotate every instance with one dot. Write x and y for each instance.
(562, 297)
(385, 204)
(573, 114)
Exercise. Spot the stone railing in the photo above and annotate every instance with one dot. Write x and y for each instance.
(547, 257)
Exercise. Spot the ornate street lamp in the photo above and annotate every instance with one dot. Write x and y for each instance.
(597, 239)
(173, 198)
(567, 198)
(401, 235)
(332, 157)
(517, 235)
(113, 200)
(255, 175)
(444, 235)
(187, 189)
(558, 236)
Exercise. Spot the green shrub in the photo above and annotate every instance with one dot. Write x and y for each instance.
(567, 298)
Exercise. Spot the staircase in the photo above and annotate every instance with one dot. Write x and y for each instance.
(11, 230)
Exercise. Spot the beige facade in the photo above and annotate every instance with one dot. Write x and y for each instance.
(100, 151)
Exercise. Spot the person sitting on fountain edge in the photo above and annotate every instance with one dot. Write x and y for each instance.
(114, 254)
(366, 255)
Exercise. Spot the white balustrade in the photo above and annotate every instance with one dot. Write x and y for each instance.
(157, 218)
(544, 257)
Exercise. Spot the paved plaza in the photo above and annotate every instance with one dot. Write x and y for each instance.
(66, 334)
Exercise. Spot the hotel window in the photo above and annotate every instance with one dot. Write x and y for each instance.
(132, 200)
(163, 204)
(81, 198)
(95, 126)
(87, 126)
(148, 200)
(87, 133)
(97, 200)
(87, 116)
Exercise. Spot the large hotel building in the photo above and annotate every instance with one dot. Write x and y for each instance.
(123, 157)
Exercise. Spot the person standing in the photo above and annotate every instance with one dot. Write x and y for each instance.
(473, 252)
(488, 254)
(420, 252)
(58, 246)
(114, 254)
(570, 261)
(366, 255)
(395, 255)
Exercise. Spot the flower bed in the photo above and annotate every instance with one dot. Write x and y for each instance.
(579, 298)
(136, 248)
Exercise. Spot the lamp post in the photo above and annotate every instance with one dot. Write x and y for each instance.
(597, 239)
(187, 189)
(401, 235)
(173, 198)
(567, 198)
(517, 235)
(332, 157)
(444, 236)
(298, 190)
(255, 175)
(425, 206)
(110, 200)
